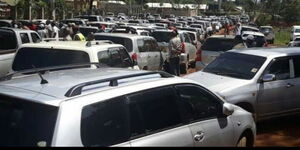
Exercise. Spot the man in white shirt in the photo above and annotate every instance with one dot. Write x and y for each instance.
(55, 31)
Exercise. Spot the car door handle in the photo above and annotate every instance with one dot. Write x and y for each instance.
(199, 137)
(289, 85)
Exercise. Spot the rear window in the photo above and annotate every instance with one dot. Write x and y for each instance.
(26, 58)
(215, 44)
(26, 123)
(115, 57)
(118, 40)
(162, 36)
(87, 31)
(8, 40)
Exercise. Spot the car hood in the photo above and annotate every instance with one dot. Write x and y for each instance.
(216, 83)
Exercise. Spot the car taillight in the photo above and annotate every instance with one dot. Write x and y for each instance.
(134, 56)
(183, 47)
(198, 55)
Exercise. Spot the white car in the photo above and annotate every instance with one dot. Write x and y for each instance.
(295, 32)
(118, 108)
(51, 54)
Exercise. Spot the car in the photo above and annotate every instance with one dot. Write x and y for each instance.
(92, 18)
(259, 38)
(247, 28)
(142, 49)
(117, 107)
(263, 81)
(187, 58)
(86, 30)
(216, 45)
(10, 40)
(268, 31)
(51, 54)
(105, 26)
(5, 23)
(76, 21)
(295, 42)
(295, 31)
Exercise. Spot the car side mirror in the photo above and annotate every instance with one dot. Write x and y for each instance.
(268, 78)
(228, 109)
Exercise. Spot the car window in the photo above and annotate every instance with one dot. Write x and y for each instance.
(105, 123)
(24, 38)
(24, 123)
(157, 108)
(202, 104)
(280, 68)
(26, 58)
(162, 36)
(153, 46)
(187, 38)
(115, 57)
(143, 45)
(126, 42)
(35, 38)
(8, 40)
(297, 66)
(218, 44)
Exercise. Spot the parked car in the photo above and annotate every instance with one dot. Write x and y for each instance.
(51, 54)
(259, 38)
(10, 40)
(5, 23)
(216, 45)
(85, 30)
(77, 21)
(92, 18)
(187, 59)
(264, 82)
(105, 26)
(117, 107)
(295, 32)
(142, 49)
(248, 28)
(295, 42)
(268, 31)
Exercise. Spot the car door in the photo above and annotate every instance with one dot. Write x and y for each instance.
(190, 47)
(294, 83)
(143, 55)
(275, 97)
(208, 126)
(156, 55)
(155, 119)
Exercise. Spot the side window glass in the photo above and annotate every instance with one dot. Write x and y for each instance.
(103, 57)
(153, 46)
(297, 66)
(116, 59)
(280, 68)
(158, 110)
(141, 45)
(198, 103)
(24, 38)
(35, 38)
(105, 123)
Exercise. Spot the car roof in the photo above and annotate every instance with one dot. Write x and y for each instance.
(266, 27)
(250, 27)
(15, 29)
(222, 37)
(123, 35)
(70, 45)
(268, 52)
(28, 87)
(253, 33)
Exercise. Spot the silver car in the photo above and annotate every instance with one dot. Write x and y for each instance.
(265, 82)
(117, 107)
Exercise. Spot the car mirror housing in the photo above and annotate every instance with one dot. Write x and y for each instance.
(228, 109)
(268, 78)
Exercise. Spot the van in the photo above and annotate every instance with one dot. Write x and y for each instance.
(295, 32)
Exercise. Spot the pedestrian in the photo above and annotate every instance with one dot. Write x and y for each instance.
(78, 36)
(55, 31)
(175, 49)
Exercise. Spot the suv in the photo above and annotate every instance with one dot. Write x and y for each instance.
(265, 82)
(142, 49)
(10, 40)
(49, 54)
(117, 107)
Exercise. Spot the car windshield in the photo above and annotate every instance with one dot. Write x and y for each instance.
(162, 36)
(297, 30)
(218, 44)
(236, 65)
(118, 40)
(8, 40)
(28, 58)
(26, 123)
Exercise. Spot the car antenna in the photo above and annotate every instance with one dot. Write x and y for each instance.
(43, 81)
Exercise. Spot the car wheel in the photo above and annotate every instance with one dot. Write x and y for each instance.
(242, 142)
(183, 69)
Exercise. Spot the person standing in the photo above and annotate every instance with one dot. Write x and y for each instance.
(55, 31)
(175, 49)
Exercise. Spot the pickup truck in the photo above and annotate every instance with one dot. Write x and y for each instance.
(10, 40)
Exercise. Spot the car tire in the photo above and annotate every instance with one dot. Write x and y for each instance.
(183, 69)
(246, 140)
(242, 142)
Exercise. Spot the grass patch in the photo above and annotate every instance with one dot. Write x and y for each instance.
(282, 36)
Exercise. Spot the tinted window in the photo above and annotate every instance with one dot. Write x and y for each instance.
(8, 40)
(118, 40)
(35, 38)
(280, 68)
(26, 58)
(158, 109)
(297, 66)
(162, 36)
(25, 123)
(24, 38)
(203, 104)
(147, 45)
(115, 57)
(218, 44)
(236, 65)
(105, 124)
(87, 31)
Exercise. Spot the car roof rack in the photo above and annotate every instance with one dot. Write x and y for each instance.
(46, 69)
(113, 82)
